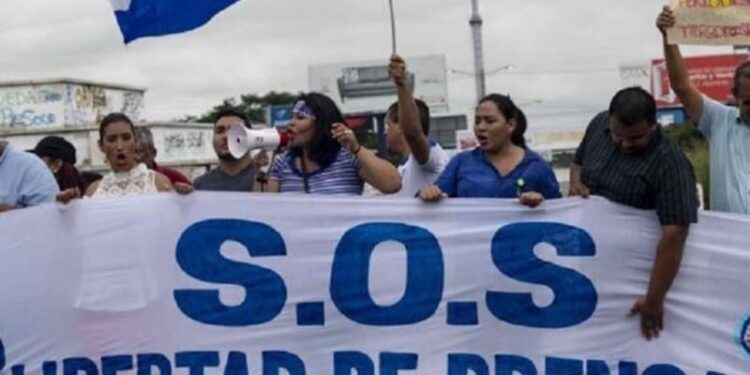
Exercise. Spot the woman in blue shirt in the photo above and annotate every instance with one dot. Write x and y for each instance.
(324, 156)
(502, 166)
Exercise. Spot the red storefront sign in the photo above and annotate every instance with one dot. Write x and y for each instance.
(712, 75)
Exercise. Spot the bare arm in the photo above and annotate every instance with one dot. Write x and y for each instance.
(689, 95)
(667, 262)
(92, 188)
(408, 114)
(67, 195)
(270, 182)
(163, 183)
(666, 265)
(378, 172)
(375, 171)
(431, 193)
(577, 188)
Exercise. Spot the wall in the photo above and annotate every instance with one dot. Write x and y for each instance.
(186, 146)
(64, 105)
(32, 106)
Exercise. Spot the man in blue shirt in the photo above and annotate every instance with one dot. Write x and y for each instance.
(727, 128)
(24, 179)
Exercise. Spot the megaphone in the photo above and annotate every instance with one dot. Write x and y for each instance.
(240, 140)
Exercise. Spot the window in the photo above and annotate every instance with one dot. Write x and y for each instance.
(443, 129)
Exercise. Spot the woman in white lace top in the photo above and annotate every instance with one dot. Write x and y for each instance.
(128, 177)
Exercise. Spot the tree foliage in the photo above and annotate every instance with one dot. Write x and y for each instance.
(252, 105)
(695, 146)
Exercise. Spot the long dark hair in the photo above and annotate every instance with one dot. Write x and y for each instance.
(323, 149)
(511, 112)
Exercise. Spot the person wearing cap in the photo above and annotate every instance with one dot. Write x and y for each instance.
(626, 157)
(727, 128)
(324, 156)
(60, 157)
(24, 179)
(502, 166)
(407, 128)
(232, 174)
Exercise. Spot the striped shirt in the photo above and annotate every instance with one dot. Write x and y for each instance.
(341, 177)
(659, 177)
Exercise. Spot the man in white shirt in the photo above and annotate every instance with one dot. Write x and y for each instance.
(408, 124)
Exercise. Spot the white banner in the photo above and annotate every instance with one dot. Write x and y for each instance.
(218, 283)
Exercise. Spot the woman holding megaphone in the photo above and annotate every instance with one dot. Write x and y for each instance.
(324, 156)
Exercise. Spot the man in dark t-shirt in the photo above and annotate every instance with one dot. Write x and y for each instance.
(627, 158)
(232, 174)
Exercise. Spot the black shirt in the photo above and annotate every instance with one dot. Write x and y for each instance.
(658, 177)
(217, 180)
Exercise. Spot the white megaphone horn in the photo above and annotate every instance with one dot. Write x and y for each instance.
(241, 140)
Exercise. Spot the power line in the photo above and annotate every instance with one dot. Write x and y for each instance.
(549, 72)
(560, 72)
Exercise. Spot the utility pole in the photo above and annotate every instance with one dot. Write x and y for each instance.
(475, 22)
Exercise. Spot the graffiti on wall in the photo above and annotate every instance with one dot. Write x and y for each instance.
(64, 105)
(191, 143)
(132, 103)
(24, 107)
(88, 104)
(90, 97)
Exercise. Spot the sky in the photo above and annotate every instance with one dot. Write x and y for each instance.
(565, 54)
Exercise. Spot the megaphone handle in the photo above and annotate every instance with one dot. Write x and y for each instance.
(262, 177)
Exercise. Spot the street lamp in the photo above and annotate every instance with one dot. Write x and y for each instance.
(487, 73)
(499, 69)
(475, 22)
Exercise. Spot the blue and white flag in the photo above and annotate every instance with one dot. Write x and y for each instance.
(141, 18)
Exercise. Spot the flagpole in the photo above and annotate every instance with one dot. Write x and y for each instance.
(393, 27)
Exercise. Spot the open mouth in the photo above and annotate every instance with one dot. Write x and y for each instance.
(482, 139)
